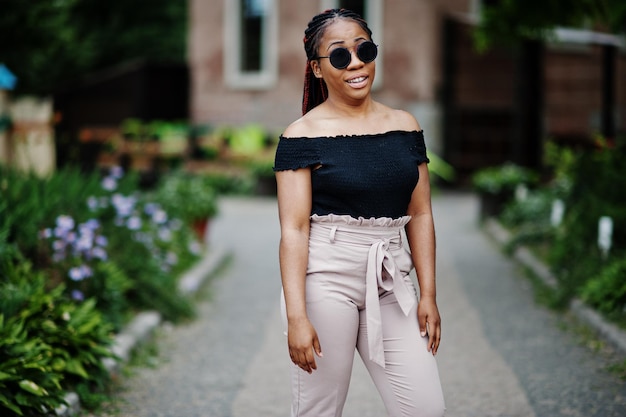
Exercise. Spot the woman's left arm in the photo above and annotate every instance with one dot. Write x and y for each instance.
(420, 233)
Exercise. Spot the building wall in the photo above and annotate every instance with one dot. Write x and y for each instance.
(573, 95)
(410, 64)
(213, 102)
(573, 79)
(412, 73)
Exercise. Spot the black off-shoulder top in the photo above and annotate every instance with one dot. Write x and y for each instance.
(361, 175)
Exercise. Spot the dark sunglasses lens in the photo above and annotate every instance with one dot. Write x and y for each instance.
(340, 58)
(367, 51)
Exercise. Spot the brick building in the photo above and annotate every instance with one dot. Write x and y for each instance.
(247, 61)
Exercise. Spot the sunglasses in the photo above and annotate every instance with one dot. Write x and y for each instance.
(340, 58)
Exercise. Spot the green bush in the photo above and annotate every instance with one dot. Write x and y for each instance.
(606, 290)
(187, 196)
(78, 254)
(47, 343)
(535, 208)
(529, 218)
(588, 182)
(150, 246)
(225, 183)
(99, 238)
(502, 179)
(596, 175)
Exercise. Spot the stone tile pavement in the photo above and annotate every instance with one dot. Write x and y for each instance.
(502, 354)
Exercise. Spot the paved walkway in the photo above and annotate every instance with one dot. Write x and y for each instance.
(502, 354)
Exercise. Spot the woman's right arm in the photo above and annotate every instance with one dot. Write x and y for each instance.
(294, 209)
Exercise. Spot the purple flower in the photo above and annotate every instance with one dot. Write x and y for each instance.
(150, 208)
(159, 216)
(99, 253)
(165, 234)
(79, 273)
(58, 245)
(109, 183)
(171, 258)
(86, 271)
(101, 240)
(116, 172)
(123, 205)
(84, 243)
(45, 233)
(76, 274)
(65, 222)
(92, 203)
(70, 237)
(134, 223)
(78, 295)
(92, 224)
(195, 247)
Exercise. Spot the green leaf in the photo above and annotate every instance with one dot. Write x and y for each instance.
(33, 388)
(10, 405)
(76, 367)
(58, 364)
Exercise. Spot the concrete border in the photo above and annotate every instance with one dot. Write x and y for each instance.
(142, 327)
(606, 330)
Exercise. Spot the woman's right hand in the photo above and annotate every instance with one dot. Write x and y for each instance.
(302, 340)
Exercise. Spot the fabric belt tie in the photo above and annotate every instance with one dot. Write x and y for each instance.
(382, 272)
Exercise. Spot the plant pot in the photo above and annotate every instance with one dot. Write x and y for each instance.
(266, 186)
(200, 228)
(491, 205)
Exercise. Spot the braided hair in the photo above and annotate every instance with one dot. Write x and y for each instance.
(315, 89)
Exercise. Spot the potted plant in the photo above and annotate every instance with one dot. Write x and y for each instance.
(263, 173)
(191, 198)
(496, 186)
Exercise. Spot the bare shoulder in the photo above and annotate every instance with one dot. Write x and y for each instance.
(395, 119)
(309, 125)
(296, 129)
(405, 120)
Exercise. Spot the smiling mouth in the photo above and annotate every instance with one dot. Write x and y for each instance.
(357, 80)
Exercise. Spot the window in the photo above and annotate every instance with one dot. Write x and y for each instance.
(250, 47)
(372, 12)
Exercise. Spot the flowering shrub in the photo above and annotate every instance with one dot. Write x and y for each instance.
(126, 246)
(78, 247)
(78, 254)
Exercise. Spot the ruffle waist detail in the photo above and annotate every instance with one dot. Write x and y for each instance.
(347, 220)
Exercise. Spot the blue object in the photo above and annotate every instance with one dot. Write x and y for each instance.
(7, 79)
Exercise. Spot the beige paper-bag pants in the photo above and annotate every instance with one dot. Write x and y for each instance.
(359, 295)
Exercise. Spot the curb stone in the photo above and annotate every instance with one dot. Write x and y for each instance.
(608, 331)
(143, 325)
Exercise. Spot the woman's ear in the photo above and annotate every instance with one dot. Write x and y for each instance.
(315, 67)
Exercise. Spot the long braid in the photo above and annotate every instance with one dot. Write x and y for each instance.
(315, 89)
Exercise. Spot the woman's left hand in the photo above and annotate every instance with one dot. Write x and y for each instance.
(429, 322)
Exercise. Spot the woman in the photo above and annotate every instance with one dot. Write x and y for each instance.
(351, 175)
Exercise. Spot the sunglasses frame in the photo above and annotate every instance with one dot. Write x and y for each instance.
(357, 49)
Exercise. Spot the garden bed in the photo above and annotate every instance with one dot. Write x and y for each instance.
(80, 256)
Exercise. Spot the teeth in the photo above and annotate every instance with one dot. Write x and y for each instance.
(357, 80)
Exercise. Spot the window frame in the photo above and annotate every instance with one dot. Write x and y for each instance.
(234, 77)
